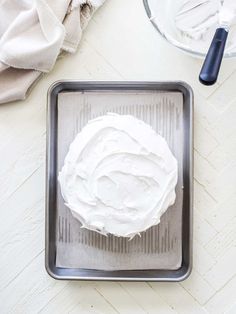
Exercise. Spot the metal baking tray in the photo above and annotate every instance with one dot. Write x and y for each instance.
(165, 105)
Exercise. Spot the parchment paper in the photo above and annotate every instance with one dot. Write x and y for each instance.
(161, 246)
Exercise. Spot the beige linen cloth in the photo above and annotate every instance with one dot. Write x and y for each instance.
(33, 33)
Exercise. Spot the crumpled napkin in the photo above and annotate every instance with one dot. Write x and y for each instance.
(32, 35)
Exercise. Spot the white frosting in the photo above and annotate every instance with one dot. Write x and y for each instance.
(197, 20)
(119, 176)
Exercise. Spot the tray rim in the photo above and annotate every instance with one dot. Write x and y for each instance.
(147, 275)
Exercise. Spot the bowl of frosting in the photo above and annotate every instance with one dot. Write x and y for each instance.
(190, 24)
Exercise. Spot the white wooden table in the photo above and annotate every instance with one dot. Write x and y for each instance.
(120, 44)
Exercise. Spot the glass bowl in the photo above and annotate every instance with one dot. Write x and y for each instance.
(162, 14)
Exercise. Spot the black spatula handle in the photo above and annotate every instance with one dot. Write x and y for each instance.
(211, 66)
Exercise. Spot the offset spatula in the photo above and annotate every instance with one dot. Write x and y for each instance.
(211, 66)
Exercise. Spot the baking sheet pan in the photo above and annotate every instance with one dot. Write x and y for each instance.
(164, 251)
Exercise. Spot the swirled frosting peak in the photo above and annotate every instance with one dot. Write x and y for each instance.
(119, 176)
